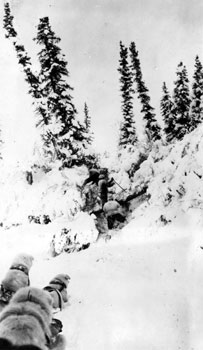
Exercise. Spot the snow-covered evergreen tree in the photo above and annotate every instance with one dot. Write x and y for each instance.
(63, 136)
(87, 122)
(127, 128)
(23, 58)
(167, 112)
(30, 77)
(181, 99)
(64, 131)
(8, 22)
(152, 128)
(196, 110)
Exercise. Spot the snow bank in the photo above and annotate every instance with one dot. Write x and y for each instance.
(142, 289)
(174, 177)
(54, 193)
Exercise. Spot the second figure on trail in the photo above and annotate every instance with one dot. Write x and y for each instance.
(103, 184)
(96, 195)
(100, 178)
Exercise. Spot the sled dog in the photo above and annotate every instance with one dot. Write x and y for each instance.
(27, 318)
(57, 288)
(16, 277)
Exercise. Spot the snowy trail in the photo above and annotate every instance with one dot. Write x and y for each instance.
(124, 296)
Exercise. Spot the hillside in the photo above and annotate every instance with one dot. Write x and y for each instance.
(140, 289)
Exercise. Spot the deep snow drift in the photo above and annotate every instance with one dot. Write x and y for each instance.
(141, 289)
(122, 295)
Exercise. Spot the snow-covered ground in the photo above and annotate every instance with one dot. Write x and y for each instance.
(123, 295)
(142, 289)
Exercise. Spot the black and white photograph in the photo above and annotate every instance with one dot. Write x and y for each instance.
(101, 180)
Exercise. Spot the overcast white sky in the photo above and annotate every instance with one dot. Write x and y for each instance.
(165, 32)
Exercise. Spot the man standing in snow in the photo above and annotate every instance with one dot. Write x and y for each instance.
(97, 190)
(96, 195)
(103, 185)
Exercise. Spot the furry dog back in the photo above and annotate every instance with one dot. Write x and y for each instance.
(27, 318)
(18, 274)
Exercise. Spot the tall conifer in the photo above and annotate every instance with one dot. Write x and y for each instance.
(197, 95)
(87, 122)
(127, 128)
(8, 22)
(167, 112)
(62, 134)
(152, 128)
(181, 101)
(65, 130)
(23, 58)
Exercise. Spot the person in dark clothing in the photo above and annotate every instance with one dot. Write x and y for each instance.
(96, 195)
(103, 185)
(100, 178)
(93, 177)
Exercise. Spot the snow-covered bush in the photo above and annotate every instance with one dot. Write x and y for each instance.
(55, 193)
(75, 235)
(124, 166)
(173, 175)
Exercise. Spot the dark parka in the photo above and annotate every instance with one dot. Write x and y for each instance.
(103, 185)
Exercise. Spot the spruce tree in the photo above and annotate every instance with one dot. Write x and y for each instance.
(197, 95)
(152, 128)
(23, 58)
(127, 129)
(181, 101)
(64, 130)
(31, 78)
(87, 122)
(8, 22)
(167, 112)
(63, 136)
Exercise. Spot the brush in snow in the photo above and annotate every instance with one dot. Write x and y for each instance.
(44, 219)
(33, 218)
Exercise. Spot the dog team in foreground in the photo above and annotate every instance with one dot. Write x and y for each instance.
(26, 312)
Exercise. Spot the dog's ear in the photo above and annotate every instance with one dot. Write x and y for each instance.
(5, 344)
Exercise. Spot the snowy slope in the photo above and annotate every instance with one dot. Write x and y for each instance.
(122, 295)
(141, 289)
